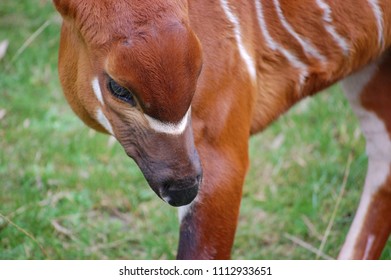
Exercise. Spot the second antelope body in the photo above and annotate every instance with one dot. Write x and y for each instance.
(182, 85)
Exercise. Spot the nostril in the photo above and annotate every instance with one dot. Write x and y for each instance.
(180, 192)
(181, 184)
(167, 185)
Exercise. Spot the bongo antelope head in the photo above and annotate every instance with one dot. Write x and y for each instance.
(130, 68)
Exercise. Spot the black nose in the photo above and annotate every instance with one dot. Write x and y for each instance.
(180, 192)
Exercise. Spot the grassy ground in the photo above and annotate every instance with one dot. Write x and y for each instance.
(67, 192)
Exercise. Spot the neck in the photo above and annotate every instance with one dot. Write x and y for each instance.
(296, 49)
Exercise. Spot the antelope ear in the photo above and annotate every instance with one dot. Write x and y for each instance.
(64, 7)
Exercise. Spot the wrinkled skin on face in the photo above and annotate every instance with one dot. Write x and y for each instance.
(130, 68)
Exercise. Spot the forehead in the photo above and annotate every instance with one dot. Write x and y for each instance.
(103, 21)
(161, 67)
(146, 46)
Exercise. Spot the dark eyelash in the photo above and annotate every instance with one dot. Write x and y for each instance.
(120, 92)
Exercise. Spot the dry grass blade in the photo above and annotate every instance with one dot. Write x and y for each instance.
(311, 228)
(25, 233)
(61, 229)
(3, 48)
(307, 246)
(29, 41)
(115, 244)
(51, 200)
(3, 112)
(336, 207)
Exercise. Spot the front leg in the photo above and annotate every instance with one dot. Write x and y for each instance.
(369, 93)
(208, 225)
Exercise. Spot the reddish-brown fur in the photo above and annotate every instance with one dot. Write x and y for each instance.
(376, 98)
(155, 48)
(378, 223)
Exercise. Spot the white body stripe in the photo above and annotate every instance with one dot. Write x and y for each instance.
(378, 150)
(242, 49)
(262, 23)
(327, 18)
(379, 20)
(101, 118)
(307, 46)
(272, 44)
(169, 128)
(97, 90)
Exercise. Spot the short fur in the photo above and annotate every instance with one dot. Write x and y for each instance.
(156, 49)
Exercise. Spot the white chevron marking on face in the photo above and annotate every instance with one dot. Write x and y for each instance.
(169, 128)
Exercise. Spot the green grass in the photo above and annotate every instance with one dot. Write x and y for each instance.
(71, 193)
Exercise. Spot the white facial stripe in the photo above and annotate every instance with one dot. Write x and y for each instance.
(242, 50)
(379, 19)
(101, 118)
(169, 128)
(327, 18)
(303, 72)
(307, 46)
(97, 91)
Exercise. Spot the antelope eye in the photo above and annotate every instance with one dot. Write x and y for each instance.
(121, 93)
